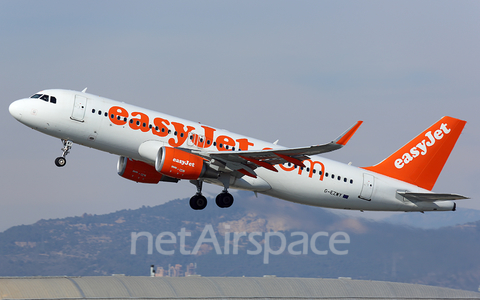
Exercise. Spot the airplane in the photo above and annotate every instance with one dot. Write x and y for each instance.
(154, 147)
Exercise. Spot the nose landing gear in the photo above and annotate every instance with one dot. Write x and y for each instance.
(61, 161)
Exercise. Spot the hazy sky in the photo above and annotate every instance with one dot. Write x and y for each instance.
(298, 71)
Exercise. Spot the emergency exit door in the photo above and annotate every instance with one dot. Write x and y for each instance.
(367, 188)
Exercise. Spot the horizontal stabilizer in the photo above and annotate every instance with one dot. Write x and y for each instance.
(430, 197)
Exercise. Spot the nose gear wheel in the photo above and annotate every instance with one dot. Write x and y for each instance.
(60, 161)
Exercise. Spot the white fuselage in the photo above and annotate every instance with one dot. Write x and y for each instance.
(85, 119)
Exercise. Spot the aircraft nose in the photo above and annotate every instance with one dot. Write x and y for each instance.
(15, 109)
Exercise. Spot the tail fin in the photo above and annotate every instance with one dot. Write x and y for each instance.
(421, 160)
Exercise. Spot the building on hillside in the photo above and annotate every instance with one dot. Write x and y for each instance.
(191, 269)
(176, 271)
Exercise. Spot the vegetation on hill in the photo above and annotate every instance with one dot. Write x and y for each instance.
(273, 237)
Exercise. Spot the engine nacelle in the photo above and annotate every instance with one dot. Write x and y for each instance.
(179, 164)
(139, 171)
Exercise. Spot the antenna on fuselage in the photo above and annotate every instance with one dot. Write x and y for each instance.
(84, 90)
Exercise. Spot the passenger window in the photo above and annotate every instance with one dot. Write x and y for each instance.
(44, 98)
(53, 100)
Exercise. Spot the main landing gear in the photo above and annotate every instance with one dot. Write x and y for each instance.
(61, 161)
(224, 199)
(198, 201)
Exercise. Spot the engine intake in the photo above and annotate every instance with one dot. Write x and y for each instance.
(139, 171)
(180, 164)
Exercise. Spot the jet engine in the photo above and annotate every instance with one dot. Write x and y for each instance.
(139, 171)
(180, 164)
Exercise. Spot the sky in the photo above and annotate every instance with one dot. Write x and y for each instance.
(301, 72)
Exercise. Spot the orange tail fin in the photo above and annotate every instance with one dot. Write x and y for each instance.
(421, 160)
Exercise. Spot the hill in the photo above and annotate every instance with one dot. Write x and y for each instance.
(435, 220)
(255, 237)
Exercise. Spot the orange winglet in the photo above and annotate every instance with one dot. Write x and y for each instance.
(290, 159)
(347, 135)
(245, 172)
(260, 163)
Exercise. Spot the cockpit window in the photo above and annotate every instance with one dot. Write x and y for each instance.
(45, 98)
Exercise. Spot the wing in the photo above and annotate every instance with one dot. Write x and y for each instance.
(430, 197)
(244, 162)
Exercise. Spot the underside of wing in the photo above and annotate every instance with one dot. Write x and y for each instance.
(430, 197)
